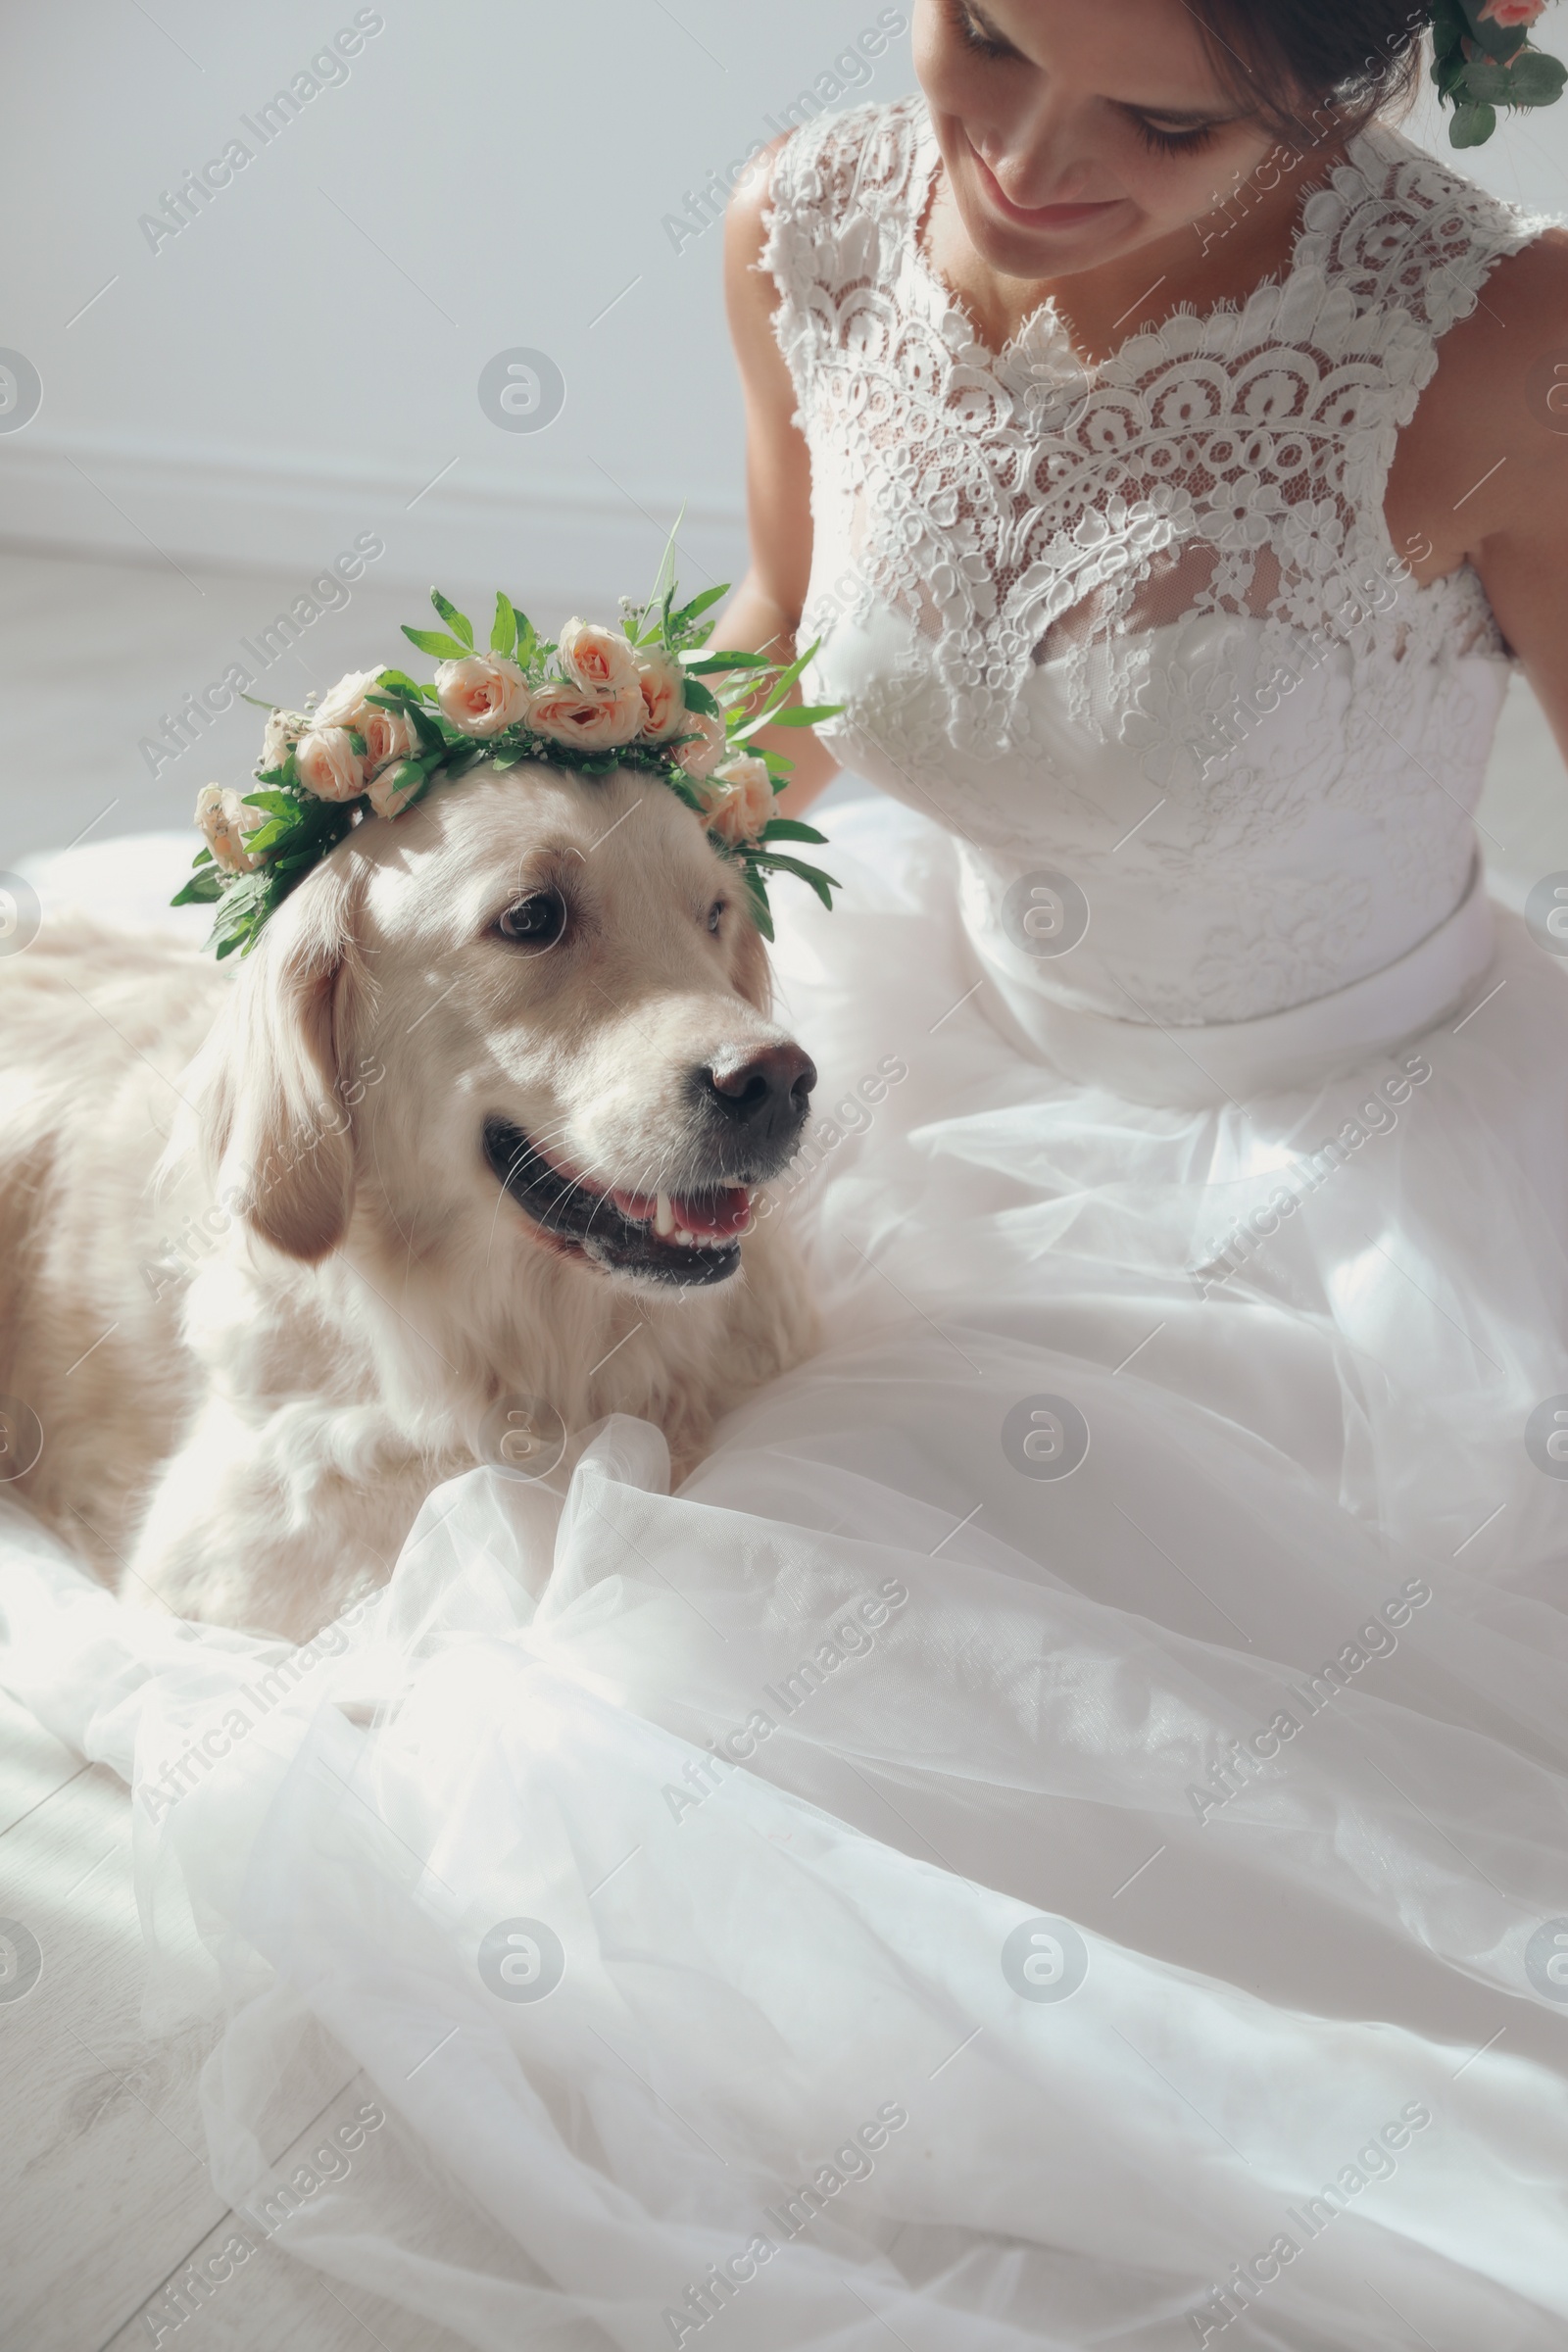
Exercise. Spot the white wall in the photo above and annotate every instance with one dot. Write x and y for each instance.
(302, 359)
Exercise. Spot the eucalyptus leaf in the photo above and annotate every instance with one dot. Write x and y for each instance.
(1471, 126)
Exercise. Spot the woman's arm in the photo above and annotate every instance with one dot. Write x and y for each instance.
(1493, 432)
(764, 613)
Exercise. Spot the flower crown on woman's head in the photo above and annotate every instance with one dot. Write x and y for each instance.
(646, 696)
(1482, 59)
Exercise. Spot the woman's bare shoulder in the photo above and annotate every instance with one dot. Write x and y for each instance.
(745, 217)
(1491, 431)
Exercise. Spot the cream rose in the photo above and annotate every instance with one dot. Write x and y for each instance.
(739, 799)
(283, 729)
(663, 690)
(593, 723)
(700, 757)
(345, 705)
(224, 821)
(388, 735)
(328, 764)
(599, 660)
(482, 694)
(391, 790)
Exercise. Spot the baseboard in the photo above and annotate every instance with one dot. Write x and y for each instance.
(224, 510)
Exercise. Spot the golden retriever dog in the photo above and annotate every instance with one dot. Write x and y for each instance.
(459, 1160)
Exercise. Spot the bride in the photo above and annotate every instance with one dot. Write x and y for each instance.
(1058, 1835)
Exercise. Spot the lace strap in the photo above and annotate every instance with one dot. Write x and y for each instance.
(1401, 230)
(834, 209)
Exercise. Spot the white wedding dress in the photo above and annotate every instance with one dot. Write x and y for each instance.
(1058, 1836)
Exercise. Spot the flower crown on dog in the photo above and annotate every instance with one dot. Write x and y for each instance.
(644, 695)
(1482, 59)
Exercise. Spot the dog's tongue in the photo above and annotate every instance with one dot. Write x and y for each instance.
(722, 1213)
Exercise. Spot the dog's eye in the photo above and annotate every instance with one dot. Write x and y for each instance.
(715, 915)
(536, 921)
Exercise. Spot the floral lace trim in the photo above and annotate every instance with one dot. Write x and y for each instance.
(1016, 507)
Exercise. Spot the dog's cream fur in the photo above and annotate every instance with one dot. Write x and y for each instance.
(253, 1360)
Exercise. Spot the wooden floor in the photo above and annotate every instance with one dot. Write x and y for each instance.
(105, 2198)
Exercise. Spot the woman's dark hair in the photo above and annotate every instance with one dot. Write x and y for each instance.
(1311, 69)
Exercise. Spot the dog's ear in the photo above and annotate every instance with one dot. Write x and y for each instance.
(276, 1130)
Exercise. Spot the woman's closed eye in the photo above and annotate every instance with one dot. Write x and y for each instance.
(1172, 142)
(977, 36)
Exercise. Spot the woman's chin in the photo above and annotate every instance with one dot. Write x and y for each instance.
(1032, 254)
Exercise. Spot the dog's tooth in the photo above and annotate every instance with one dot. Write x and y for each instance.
(664, 1218)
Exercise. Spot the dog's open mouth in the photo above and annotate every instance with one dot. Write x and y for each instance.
(683, 1238)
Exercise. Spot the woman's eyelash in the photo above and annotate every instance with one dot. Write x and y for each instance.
(974, 37)
(1163, 142)
(1173, 142)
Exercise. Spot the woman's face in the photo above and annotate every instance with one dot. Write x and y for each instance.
(1074, 132)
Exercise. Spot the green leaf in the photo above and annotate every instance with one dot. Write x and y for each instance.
(200, 891)
(698, 698)
(664, 578)
(403, 684)
(504, 628)
(1472, 125)
(527, 642)
(431, 641)
(757, 895)
(680, 621)
(698, 663)
(822, 884)
(457, 622)
(806, 715)
(779, 694)
(203, 857)
(1536, 80)
(790, 828)
(239, 910)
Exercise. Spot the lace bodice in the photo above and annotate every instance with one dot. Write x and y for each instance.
(1140, 626)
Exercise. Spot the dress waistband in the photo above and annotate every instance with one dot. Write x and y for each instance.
(1305, 1045)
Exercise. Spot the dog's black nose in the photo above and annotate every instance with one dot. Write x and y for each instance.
(761, 1094)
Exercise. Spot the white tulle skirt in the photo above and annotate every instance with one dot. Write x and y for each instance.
(1058, 1836)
